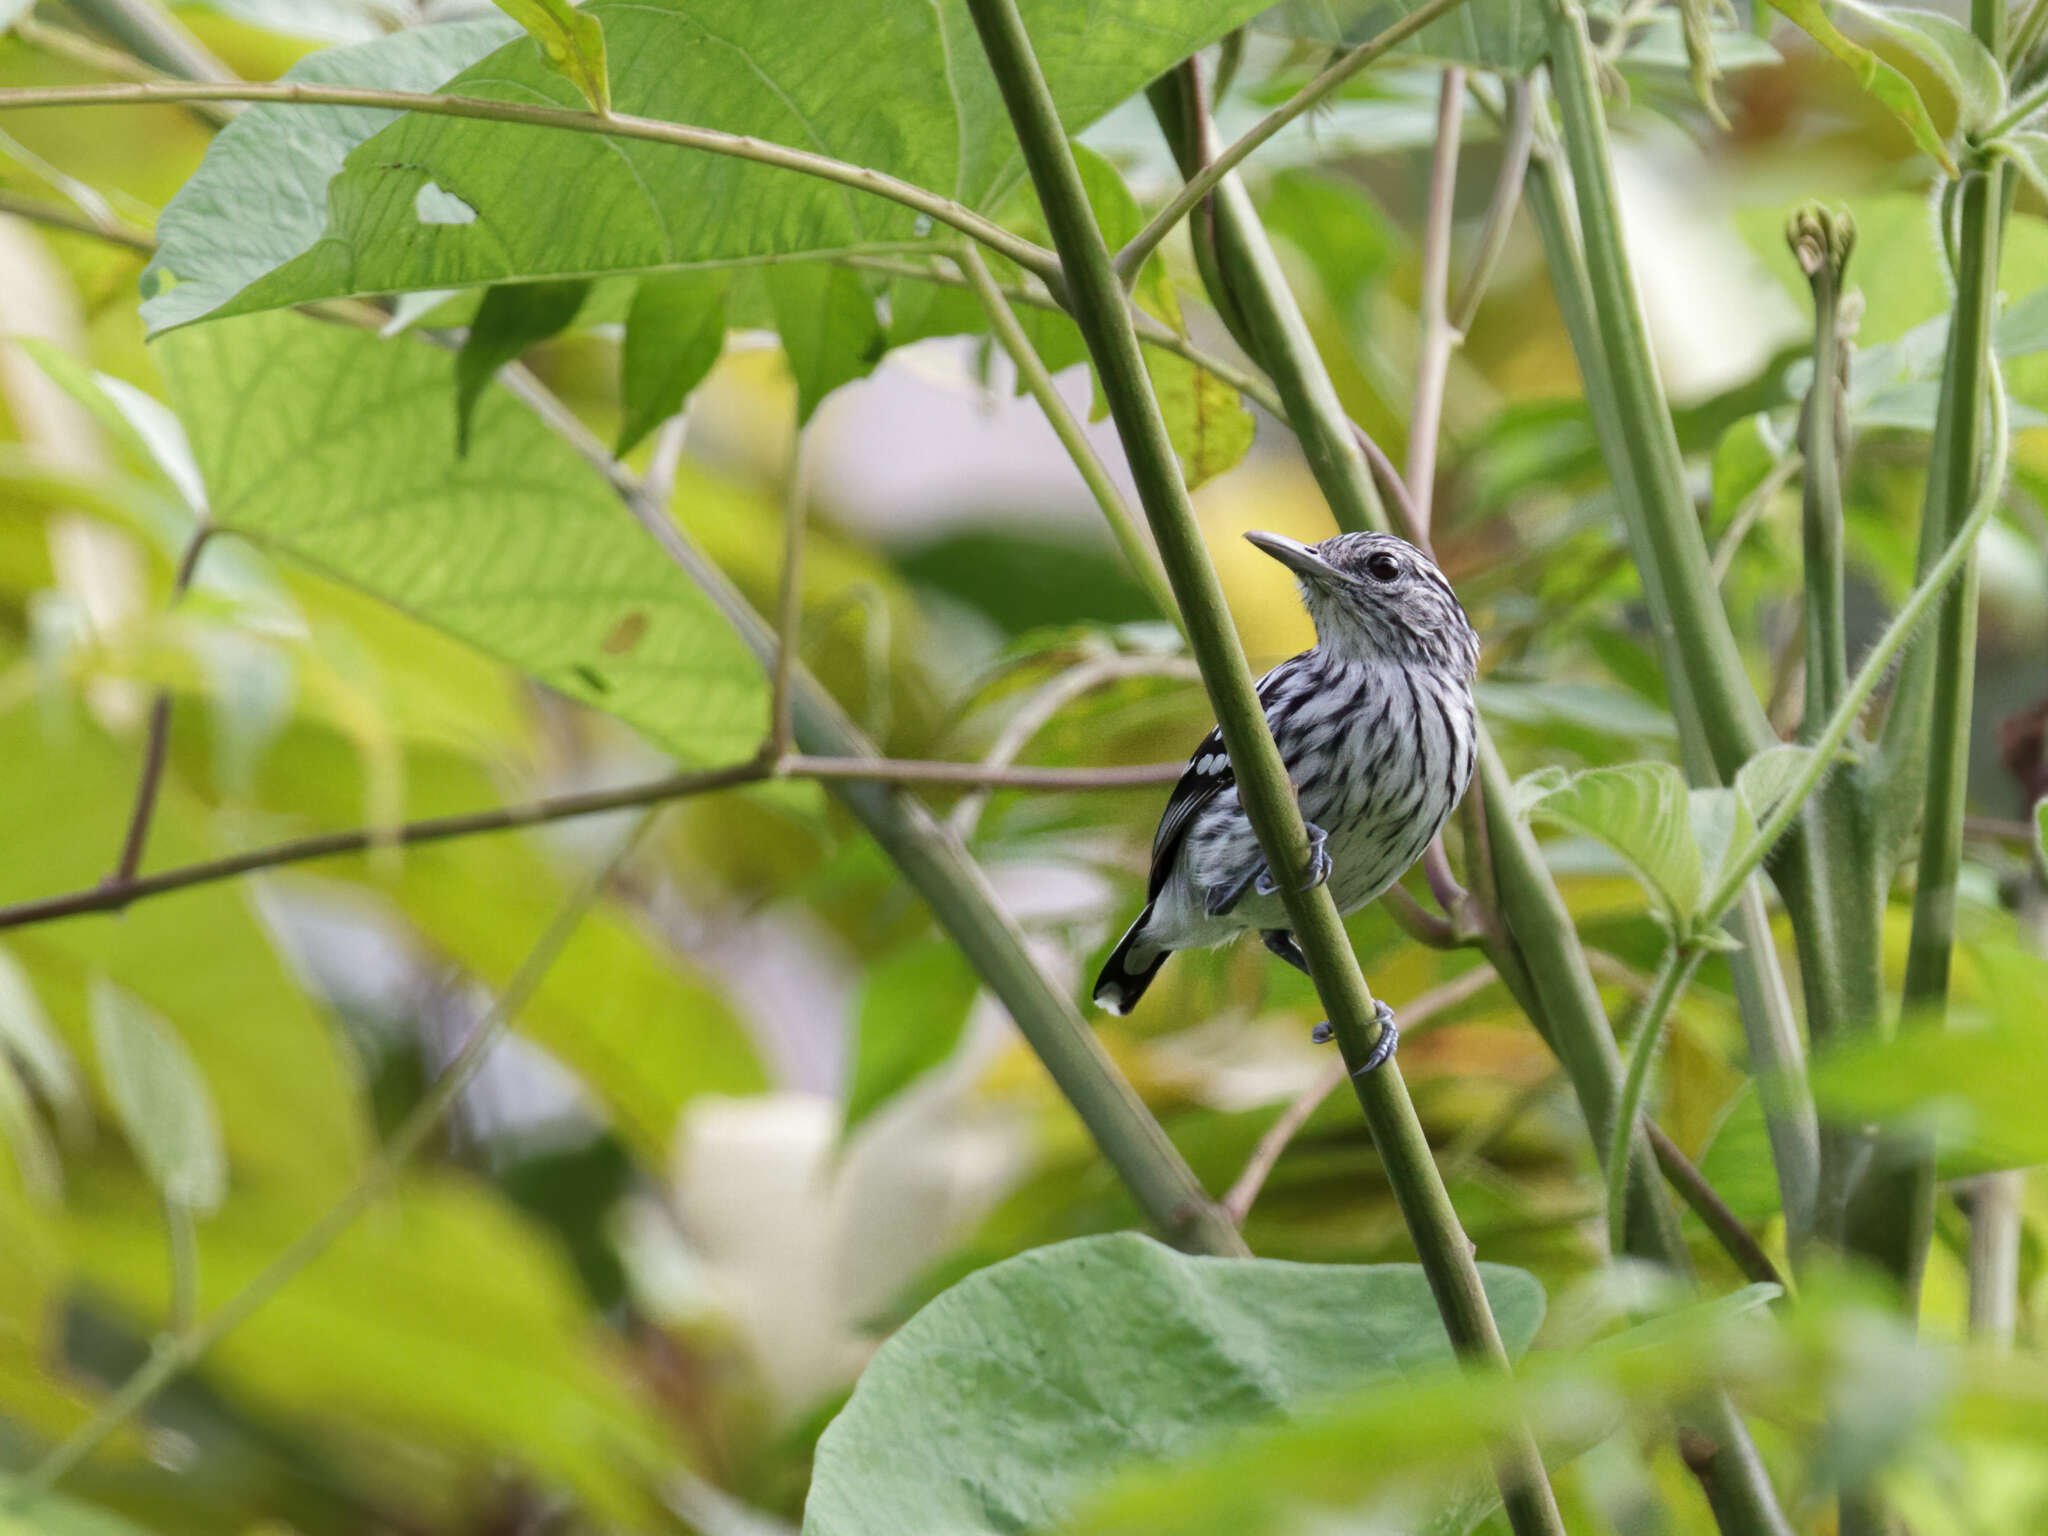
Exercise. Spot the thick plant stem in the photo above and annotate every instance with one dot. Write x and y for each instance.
(1777, 1056)
(1730, 717)
(1890, 1217)
(1100, 312)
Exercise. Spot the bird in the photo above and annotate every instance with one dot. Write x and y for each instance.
(1377, 729)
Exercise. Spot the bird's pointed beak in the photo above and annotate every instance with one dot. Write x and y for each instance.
(1296, 556)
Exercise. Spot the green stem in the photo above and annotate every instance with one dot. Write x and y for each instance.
(1820, 242)
(617, 125)
(1769, 1029)
(1268, 797)
(1203, 182)
(1932, 588)
(177, 1352)
(1516, 139)
(1730, 718)
(182, 1238)
(1094, 473)
(1680, 959)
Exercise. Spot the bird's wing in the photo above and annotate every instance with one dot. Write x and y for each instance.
(1207, 775)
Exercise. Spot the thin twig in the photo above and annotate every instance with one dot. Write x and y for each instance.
(114, 897)
(789, 617)
(1516, 141)
(1433, 357)
(158, 745)
(37, 211)
(1420, 1011)
(177, 1352)
(1038, 711)
(1199, 186)
(1417, 921)
(1031, 371)
(1735, 1239)
(1031, 257)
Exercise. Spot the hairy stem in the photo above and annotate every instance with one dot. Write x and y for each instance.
(1100, 311)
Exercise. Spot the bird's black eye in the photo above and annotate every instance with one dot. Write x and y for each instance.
(1382, 567)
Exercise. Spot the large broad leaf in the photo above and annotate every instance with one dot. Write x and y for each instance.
(1024, 1388)
(1506, 35)
(333, 446)
(896, 85)
(1969, 69)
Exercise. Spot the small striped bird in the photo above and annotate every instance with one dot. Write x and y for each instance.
(1375, 725)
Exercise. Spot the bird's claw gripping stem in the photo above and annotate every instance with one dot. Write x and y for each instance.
(1318, 864)
(1382, 1051)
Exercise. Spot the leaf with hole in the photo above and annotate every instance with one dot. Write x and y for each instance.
(572, 42)
(905, 92)
(1021, 1391)
(161, 1100)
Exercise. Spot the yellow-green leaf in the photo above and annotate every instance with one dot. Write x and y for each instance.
(572, 43)
(1888, 85)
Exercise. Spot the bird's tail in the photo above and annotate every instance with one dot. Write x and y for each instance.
(1129, 969)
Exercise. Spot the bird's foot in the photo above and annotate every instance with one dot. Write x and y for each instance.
(1383, 1049)
(1318, 864)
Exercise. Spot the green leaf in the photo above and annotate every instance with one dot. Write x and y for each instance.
(1743, 460)
(28, 1035)
(161, 1099)
(830, 335)
(1891, 88)
(339, 210)
(1206, 419)
(1022, 1390)
(913, 1008)
(1338, 229)
(442, 1325)
(571, 41)
(1952, 51)
(1505, 35)
(512, 318)
(1977, 1081)
(674, 333)
(279, 158)
(1643, 812)
(519, 549)
(2029, 152)
(53, 1514)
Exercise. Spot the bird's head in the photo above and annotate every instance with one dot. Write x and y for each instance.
(1373, 595)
